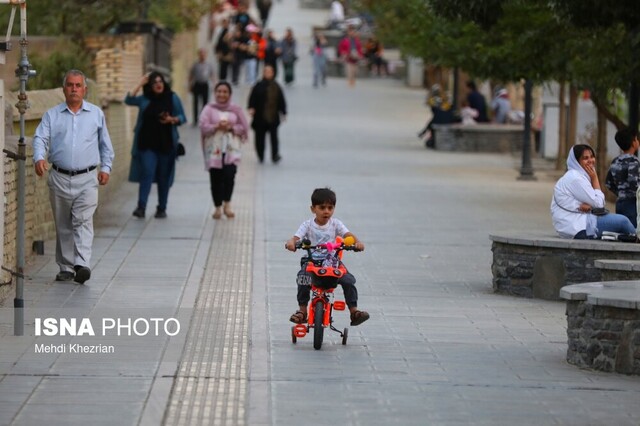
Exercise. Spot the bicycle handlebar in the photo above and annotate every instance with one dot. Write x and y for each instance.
(330, 246)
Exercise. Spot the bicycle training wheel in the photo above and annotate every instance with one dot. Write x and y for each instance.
(318, 329)
(345, 334)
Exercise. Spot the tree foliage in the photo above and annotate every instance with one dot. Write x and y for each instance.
(593, 44)
(51, 70)
(502, 40)
(598, 13)
(76, 18)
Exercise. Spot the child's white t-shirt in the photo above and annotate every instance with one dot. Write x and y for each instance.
(321, 234)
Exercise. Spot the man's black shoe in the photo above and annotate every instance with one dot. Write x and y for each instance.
(161, 214)
(64, 276)
(82, 274)
(139, 212)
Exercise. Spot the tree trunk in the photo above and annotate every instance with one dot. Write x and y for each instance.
(573, 117)
(634, 99)
(608, 114)
(562, 129)
(602, 165)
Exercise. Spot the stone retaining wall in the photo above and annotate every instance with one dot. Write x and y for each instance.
(336, 68)
(538, 266)
(479, 137)
(603, 337)
(619, 270)
(603, 326)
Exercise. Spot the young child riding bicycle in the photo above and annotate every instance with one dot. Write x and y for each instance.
(321, 229)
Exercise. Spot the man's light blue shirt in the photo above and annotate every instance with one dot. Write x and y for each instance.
(74, 141)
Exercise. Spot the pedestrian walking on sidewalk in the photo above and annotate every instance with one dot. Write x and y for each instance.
(272, 52)
(319, 60)
(200, 75)
(223, 127)
(155, 141)
(264, 7)
(268, 108)
(321, 229)
(350, 53)
(288, 56)
(73, 137)
(224, 51)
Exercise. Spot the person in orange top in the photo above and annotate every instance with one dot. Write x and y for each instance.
(261, 42)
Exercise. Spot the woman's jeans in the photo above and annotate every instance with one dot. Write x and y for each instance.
(159, 167)
(319, 70)
(611, 222)
(250, 71)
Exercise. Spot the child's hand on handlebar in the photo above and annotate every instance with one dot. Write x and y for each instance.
(290, 244)
(351, 240)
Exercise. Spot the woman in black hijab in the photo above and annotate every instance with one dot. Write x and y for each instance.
(155, 143)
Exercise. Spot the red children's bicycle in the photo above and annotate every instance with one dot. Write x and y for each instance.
(323, 265)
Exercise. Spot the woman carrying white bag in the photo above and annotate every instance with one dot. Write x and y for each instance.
(224, 128)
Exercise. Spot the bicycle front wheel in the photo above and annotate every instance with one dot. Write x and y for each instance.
(318, 328)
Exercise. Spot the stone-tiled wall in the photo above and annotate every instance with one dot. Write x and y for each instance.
(479, 137)
(604, 338)
(540, 271)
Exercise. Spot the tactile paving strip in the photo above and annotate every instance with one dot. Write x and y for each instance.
(211, 386)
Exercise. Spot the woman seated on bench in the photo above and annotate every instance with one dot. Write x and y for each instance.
(373, 52)
(576, 194)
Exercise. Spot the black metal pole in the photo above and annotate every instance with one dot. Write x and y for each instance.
(526, 171)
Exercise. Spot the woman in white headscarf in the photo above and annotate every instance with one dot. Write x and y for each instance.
(576, 193)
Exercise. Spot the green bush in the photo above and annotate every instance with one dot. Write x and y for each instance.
(50, 70)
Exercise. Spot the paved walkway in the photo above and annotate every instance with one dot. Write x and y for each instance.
(440, 347)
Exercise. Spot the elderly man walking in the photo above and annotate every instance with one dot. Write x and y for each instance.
(73, 137)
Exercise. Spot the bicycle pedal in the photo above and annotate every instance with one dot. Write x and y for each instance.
(300, 330)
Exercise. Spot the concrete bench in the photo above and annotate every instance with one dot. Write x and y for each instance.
(618, 270)
(603, 325)
(539, 264)
(395, 64)
(336, 68)
(334, 35)
(481, 137)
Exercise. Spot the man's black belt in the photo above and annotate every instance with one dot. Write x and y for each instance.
(72, 172)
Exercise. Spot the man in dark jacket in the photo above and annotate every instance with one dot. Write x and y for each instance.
(477, 102)
(268, 108)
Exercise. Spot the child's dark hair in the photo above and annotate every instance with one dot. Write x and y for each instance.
(624, 138)
(323, 196)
